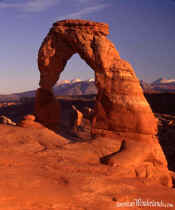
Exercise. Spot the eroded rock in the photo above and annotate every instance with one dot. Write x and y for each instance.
(120, 104)
(77, 118)
(47, 107)
(6, 120)
(29, 122)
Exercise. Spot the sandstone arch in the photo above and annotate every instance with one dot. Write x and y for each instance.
(120, 104)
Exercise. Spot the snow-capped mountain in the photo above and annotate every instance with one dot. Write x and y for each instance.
(91, 80)
(63, 82)
(86, 87)
(161, 81)
(76, 87)
(164, 85)
(76, 80)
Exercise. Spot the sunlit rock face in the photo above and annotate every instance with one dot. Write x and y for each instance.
(120, 104)
(121, 107)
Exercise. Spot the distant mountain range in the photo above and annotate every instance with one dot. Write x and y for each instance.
(64, 87)
(76, 87)
(165, 85)
(79, 87)
(161, 81)
(161, 85)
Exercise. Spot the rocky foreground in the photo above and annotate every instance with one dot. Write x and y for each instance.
(43, 169)
(114, 162)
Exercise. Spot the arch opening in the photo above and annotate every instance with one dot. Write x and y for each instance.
(76, 92)
(77, 78)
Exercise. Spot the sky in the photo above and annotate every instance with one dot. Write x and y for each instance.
(143, 32)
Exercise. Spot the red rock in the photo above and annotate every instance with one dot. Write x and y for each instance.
(29, 122)
(46, 107)
(120, 105)
(78, 117)
(41, 170)
(29, 117)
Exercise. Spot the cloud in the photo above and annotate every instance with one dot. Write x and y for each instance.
(84, 11)
(39, 5)
(30, 5)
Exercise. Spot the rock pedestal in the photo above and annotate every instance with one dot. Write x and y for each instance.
(46, 107)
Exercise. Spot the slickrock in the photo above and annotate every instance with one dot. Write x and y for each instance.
(41, 170)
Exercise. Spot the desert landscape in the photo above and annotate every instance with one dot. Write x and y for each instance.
(103, 149)
(38, 154)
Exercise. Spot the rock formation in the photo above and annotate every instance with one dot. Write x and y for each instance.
(120, 104)
(41, 170)
(6, 120)
(121, 107)
(47, 108)
(76, 118)
(29, 121)
(88, 113)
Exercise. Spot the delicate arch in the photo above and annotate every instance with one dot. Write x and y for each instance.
(120, 103)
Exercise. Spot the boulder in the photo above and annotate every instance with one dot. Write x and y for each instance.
(30, 117)
(29, 122)
(6, 120)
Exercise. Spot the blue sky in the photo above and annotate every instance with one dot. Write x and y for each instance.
(142, 30)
